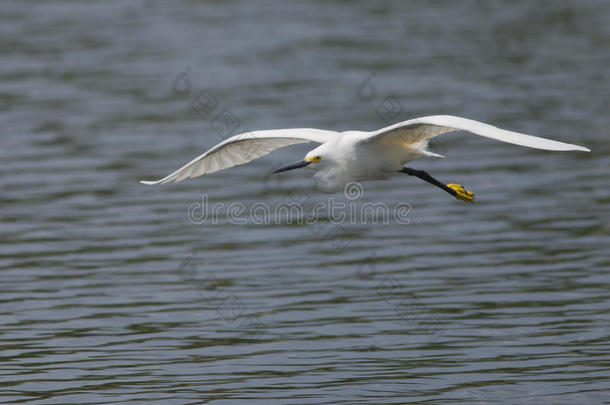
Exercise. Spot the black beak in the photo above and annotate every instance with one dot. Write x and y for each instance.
(292, 166)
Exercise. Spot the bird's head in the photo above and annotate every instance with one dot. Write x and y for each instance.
(312, 158)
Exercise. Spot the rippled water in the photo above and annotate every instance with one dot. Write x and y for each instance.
(111, 295)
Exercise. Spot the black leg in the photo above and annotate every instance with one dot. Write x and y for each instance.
(456, 190)
(427, 178)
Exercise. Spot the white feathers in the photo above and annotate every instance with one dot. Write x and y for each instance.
(424, 128)
(243, 148)
(404, 138)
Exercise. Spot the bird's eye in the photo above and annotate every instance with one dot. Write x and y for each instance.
(316, 159)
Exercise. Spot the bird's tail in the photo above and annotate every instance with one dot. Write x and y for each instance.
(422, 146)
(432, 154)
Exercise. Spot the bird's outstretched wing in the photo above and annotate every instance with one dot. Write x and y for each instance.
(419, 130)
(243, 148)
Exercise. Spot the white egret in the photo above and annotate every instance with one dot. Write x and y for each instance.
(349, 156)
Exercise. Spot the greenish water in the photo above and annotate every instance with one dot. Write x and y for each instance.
(110, 294)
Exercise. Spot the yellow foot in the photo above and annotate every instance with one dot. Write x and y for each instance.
(462, 193)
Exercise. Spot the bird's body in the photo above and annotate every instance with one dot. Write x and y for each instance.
(344, 157)
(348, 160)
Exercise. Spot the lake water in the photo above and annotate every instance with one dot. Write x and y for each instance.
(114, 292)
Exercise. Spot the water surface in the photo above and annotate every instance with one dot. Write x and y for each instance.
(111, 295)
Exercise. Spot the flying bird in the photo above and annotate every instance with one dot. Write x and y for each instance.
(349, 156)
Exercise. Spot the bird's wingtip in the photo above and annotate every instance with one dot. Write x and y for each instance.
(432, 154)
(579, 148)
